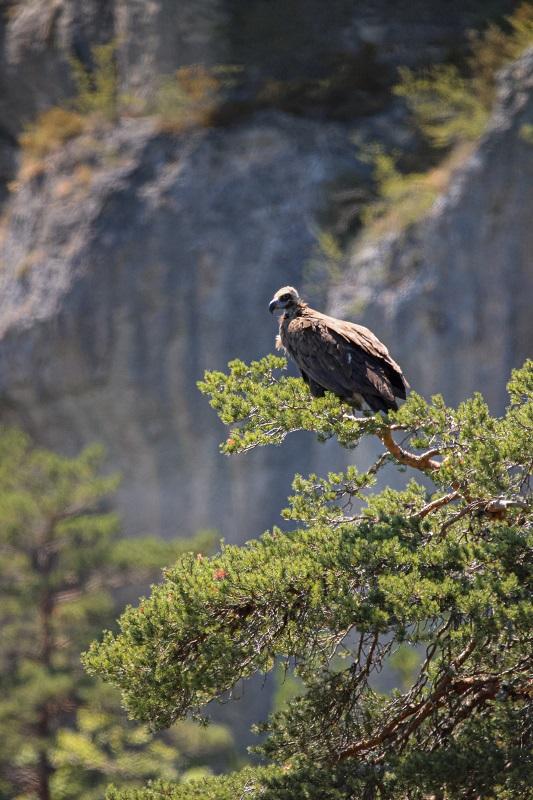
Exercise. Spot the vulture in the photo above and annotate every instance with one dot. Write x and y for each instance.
(337, 356)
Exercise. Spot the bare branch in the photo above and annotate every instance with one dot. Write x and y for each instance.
(482, 688)
(434, 505)
(424, 462)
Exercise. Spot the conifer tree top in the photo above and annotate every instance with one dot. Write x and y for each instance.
(446, 570)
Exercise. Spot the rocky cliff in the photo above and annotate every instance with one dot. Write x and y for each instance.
(271, 39)
(135, 259)
(125, 278)
(453, 294)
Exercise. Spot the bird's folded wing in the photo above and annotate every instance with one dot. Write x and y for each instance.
(360, 336)
(340, 364)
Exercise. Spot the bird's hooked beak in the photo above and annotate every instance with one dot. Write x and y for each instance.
(273, 305)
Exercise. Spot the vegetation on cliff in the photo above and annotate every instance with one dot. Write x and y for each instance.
(450, 105)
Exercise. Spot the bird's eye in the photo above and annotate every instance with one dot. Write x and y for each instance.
(285, 297)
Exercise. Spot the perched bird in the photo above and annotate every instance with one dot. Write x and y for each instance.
(337, 356)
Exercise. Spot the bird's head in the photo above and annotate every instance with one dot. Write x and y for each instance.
(285, 299)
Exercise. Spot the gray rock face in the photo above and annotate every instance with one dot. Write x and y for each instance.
(133, 265)
(281, 39)
(156, 38)
(136, 260)
(452, 296)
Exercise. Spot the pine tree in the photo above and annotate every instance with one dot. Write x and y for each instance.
(61, 732)
(363, 574)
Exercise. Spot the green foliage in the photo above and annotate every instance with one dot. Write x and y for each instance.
(496, 46)
(267, 407)
(445, 570)
(521, 25)
(446, 107)
(329, 247)
(102, 746)
(97, 88)
(97, 96)
(62, 734)
(404, 662)
(191, 96)
(451, 107)
(526, 133)
(402, 198)
(286, 686)
(325, 266)
(248, 783)
(187, 99)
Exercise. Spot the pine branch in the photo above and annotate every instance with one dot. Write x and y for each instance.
(480, 689)
(424, 462)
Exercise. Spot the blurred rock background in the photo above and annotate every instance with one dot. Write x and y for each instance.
(142, 236)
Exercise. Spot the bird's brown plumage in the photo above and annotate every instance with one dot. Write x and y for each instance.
(338, 356)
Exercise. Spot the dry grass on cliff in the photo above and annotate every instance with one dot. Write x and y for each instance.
(96, 100)
(406, 198)
(190, 97)
(185, 100)
(49, 131)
